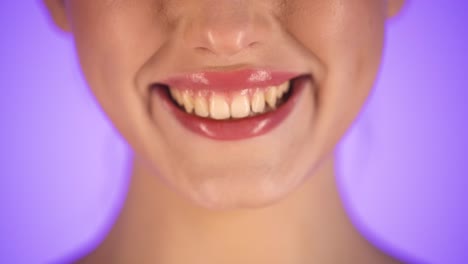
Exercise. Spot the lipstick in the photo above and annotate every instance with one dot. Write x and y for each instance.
(232, 105)
(218, 81)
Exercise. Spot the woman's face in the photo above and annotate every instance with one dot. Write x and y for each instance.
(228, 143)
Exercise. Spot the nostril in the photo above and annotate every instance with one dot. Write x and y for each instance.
(204, 50)
(254, 44)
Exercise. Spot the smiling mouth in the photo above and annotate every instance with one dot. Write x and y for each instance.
(227, 105)
(224, 108)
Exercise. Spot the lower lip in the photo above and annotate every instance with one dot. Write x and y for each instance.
(237, 129)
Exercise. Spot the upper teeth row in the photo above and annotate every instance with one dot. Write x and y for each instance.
(224, 106)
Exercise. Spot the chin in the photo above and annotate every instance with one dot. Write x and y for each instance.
(235, 189)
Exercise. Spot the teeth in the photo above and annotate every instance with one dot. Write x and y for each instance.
(258, 102)
(177, 96)
(201, 106)
(219, 108)
(187, 101)
(240, 106)
(271, 96)
(282, 89)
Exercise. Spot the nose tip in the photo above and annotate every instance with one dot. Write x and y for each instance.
(225, 32)
(225, 42)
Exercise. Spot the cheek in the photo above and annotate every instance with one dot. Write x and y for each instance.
(347, 36)
(113, 43)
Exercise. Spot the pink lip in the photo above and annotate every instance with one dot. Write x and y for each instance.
(229, 81)
(233, 129)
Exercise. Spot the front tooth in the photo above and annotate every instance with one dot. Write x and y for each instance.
(187, 101)
(240, 106)
(258, 102)
(219, 108)
(271, 96)
(201, 106)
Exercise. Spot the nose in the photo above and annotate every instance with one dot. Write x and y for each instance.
(225, 27)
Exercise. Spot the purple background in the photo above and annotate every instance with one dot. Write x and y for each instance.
(403, 170)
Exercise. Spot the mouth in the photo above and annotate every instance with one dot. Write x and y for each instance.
(232, 106)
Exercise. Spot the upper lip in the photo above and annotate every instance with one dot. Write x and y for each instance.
(229, 80)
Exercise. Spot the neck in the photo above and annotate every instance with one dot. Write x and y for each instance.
(158, 224)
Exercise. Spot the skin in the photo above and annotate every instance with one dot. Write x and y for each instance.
(196, 200)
